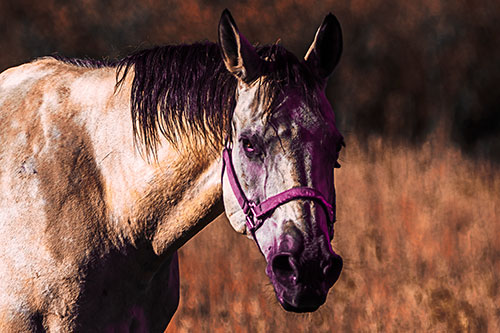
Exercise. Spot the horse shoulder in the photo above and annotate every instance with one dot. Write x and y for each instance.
(52, 204)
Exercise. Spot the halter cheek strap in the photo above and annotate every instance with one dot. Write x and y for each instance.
(257, 213)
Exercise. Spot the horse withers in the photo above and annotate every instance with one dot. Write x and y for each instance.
(106, 169)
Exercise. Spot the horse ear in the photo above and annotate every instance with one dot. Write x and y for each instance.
(238, 54)
(324, 53)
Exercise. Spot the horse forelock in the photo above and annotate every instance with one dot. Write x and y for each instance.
(283, 73)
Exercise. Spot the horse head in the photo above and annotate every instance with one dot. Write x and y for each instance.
(281, 151)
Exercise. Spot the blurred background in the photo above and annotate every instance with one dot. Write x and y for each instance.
(416, 95)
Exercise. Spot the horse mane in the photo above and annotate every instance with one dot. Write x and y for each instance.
(185, 93)
(85, 62)
(179, 90)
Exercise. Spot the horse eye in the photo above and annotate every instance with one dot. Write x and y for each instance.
(247, 146)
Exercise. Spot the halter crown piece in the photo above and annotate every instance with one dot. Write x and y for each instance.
(256, 214)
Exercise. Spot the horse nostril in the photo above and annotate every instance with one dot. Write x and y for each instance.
(284, 269)
(332, 270)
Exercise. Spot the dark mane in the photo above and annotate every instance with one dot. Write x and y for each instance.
(85, 62)
(185, 91)
(179, 90)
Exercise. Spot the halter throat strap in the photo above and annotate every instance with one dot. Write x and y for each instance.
(256, 214)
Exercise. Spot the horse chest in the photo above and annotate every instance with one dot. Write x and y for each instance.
(116, 297)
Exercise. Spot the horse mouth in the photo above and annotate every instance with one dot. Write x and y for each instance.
(307, 304)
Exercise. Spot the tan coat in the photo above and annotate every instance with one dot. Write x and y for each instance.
(89, 228)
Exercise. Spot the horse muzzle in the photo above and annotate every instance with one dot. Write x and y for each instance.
(301, 281)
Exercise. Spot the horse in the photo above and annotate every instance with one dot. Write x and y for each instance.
(108, 168)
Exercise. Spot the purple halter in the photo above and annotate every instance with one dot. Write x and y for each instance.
(256, 213)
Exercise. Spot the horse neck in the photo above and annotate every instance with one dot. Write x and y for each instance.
(185, 201)
(163, 202)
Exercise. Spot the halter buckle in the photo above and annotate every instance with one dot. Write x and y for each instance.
(251, 217)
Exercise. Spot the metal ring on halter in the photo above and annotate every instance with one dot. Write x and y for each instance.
(251, 217)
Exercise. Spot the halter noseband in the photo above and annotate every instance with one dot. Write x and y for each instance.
(257, 213)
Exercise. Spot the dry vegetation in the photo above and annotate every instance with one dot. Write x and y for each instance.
(418, 229)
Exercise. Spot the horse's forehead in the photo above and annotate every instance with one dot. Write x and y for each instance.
(302, 120)
(291, 111)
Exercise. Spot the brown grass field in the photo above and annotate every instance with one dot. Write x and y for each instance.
(419, 233)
